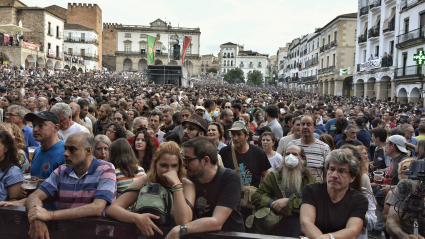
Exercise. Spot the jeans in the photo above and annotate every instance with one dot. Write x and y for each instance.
(380, 222)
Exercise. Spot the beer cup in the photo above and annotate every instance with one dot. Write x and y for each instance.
(379, 177)
(30, 185)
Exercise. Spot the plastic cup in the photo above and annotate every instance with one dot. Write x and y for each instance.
(31, 150)
(30, 185)
(379, 177)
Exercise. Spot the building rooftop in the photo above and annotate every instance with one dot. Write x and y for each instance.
(69, 26)
(229, 43)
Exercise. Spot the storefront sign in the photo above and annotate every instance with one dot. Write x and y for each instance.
(31, 46)
(345, 71)
(51, 52)
(419, 58)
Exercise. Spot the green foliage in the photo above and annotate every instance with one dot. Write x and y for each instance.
(212, 70)
(234, 76)
(255, 78)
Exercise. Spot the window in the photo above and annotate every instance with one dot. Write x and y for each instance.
(327, 61)
(83, 52)
(188, 51)
(57, 31)
(231, 63)
(83, 36)
(48, 46)
(406, 25)
(391, 46)
(333, 60)
(69, 51)
(377, 50)
(127, 47)
(364, 56)
(128, 35)
(323, 43)
(312, 46)
(144, 36)
(318, 42)
(70, 35)
(157, 49)
(57, 51)
(335, 34)
(49, 30)
(329, 39)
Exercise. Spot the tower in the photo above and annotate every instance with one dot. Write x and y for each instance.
(88, 15)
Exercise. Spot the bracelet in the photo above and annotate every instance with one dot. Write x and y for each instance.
(177, 189)
(177, 184)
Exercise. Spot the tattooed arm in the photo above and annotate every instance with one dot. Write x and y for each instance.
(393, 224)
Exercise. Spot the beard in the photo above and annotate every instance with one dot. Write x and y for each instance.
(292, 178)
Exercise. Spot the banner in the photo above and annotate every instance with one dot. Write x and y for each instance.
(51, 52)
(345, 71)
(185, 45)
(151, 49)
(31, 46)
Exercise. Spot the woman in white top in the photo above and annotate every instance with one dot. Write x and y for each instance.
(269, 142)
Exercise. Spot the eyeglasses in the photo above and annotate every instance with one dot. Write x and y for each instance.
(227, 107)
(62, 120)
(342, 173)
(10, 115)
(187, 160)
(110, 131)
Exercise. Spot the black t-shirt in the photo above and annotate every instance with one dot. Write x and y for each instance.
(225, 192)
(379, 159)
(332, 217)
(251, 164)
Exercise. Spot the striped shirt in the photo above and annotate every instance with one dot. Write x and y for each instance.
(123, 182)
(99, 182)
(316, 154)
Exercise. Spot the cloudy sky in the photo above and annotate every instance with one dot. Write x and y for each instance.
(260, 26)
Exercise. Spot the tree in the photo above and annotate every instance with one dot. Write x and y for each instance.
(212, 70)
(234, 76)
(255, 78)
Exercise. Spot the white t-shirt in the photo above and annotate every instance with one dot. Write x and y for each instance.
(275, 162)
(88, 121)
(72, 130)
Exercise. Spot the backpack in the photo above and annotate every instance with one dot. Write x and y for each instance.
(157, 200)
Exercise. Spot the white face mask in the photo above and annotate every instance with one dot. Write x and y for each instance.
(291, 161)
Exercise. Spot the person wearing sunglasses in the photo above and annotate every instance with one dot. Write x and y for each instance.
(115, 131)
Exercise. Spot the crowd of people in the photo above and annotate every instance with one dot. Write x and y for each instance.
(238, 158)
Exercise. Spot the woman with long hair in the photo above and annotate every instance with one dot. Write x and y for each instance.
(215, 133)
(340, 126)
(101, 147)
(121, 155)
(10, 169)
(420, 149)
(258, 116)
(167, 170)
(327, 139)
(20, 145)
(144, 148)
(388, 128)
(269, 144)
(154, 104)
(132, 114)
(226, 136)
(17, 96)
(5, 102)
(114, 131)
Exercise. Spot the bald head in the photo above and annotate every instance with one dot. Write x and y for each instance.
(84, 139)
(339, 114)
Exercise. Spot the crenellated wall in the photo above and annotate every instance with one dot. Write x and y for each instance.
(110, 38)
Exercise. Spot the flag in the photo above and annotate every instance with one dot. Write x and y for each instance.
(151, 49)
(185, 45)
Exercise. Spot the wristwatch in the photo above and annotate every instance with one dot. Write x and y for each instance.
(332, 237)
(183, 230)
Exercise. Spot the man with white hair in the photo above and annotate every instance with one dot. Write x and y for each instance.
(67, 126)
(43, 103)
(282, 191)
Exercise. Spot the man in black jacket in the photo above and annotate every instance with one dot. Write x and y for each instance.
(288, 125)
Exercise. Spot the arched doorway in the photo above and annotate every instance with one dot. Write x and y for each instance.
(143, 64)
(49, 64)
(360, 88)
(320, 87)
(331, 87)
(4, 58)
(66, 67)
(127, 64)
(80, 69)
(30, 61)
(173, 63)
(414, 95)
(158, 62)
(73, 69)
(40, 62)
(58, 65)
(402, 95)
(325, 87)
(347, 86)
(384, 88)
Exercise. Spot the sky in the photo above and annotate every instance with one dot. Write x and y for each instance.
(261, 26)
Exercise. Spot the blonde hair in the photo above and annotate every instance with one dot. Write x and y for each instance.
(400, 165)
(19, 137)
(170, 148)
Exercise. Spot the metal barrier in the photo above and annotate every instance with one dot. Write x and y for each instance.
(14, 225)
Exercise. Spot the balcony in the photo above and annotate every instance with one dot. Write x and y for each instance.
(322, 49)
(373, 32)
(391, 26)
(410, 39)
(312, 61)
(374, 64)
(81, 40)
(334, 44)
(294, 78)
(327, 47)
(309, 78)
(241, 66)
(88, 56)
(259, 66)
(375, 6)
(362, 38)
(364, 11)
(74, 59)
(408, 72)
(405, 4)
(305, 51)
(130, 52)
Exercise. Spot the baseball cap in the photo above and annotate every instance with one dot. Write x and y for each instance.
(200, 108)
(399, 141)
(361, 122)
(57, 99)
(403, 120)
(44, 115)
(418, 120)
(198, 120)
(237, 126)
(3, 89)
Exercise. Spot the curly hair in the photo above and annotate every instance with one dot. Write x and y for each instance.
(19, 137)
(123, 158)
(170, 148)
(11, 156)
(119, 130)
(149, 151)
(20, 97)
